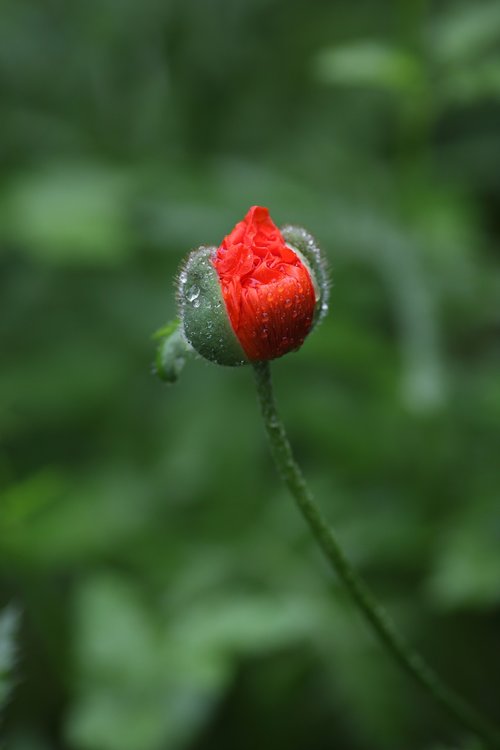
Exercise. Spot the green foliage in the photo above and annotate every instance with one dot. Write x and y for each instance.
(170, 597)
(133, 666)
(69, 213)
(9, 619)
(369, 64)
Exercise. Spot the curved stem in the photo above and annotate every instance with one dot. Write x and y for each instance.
(407, 657)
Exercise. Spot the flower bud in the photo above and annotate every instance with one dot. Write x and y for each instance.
(257, 296)
(171, 353)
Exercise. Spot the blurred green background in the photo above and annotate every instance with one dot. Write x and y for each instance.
(158, 590)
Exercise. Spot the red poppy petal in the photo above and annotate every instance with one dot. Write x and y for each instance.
(267, 289)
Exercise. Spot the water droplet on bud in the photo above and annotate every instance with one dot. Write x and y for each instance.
(193, 293)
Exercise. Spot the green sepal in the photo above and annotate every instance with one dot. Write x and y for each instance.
(307, 248)
(203, 311)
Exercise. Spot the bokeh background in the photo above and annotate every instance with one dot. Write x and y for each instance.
(158, 590)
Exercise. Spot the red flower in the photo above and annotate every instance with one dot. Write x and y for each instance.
(267, 289)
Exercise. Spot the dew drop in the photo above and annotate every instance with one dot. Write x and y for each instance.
(288, 302)
(264, 315)
(196, 302)
(264, 333)
(183, 277)
(193, 293)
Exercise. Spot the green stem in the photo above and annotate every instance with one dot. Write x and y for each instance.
(407, 657)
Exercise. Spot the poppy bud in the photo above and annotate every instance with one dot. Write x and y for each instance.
(257, 296)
